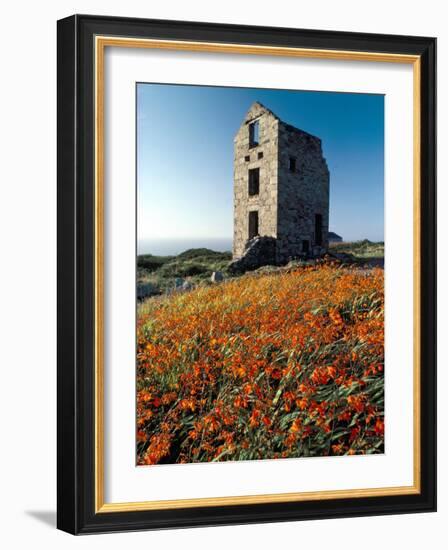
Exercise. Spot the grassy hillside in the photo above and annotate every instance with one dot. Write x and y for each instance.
(284, 364)
(360, 249)
(196, 264)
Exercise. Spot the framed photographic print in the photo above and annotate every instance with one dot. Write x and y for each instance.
(246, 274)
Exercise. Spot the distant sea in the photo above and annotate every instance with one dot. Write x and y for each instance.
(171, 247)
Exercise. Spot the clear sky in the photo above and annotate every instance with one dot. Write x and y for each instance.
(185, 158)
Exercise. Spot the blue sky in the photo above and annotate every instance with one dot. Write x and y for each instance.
(185, 157)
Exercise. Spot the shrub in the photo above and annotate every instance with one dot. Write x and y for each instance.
(151, 263)
(204, 253)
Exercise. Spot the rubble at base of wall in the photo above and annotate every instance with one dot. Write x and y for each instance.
(262, 251)
(259, 251)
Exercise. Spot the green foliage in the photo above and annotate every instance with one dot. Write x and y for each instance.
(204, 254)
(196, 264)
(360, 249)
(183, 269)
(151, 263)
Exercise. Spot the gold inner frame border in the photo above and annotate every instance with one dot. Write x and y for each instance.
(101, 42)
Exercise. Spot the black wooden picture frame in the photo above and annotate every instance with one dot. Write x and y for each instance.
(78, 511)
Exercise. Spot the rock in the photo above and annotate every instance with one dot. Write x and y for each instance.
(294, 264)
(259, 251)
(217, 277)
(265, 269)
(178, 282)
(144, 290)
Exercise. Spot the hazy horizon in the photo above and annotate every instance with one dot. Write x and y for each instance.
(173, 247)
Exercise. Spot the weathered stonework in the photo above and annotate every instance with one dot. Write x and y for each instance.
(291, 201)
(259, 251)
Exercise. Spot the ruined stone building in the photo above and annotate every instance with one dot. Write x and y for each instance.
(281, 189)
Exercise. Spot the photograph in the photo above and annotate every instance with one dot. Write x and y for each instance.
(259, 274)
(220, 275)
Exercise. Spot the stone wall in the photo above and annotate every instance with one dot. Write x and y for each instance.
(302, 193)
(246, 158)
(289, 196)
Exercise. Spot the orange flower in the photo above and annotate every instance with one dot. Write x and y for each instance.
(335, 316)
(337, 448)
(357, 402)
(240, 401)
(266, 421)
(296, 426)
(211, 423)
(187, 404)
(157, 402)
(254, 418)
(379, 427)
(354, 433)
(331, 371)
(158, 448)
(302, 403)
